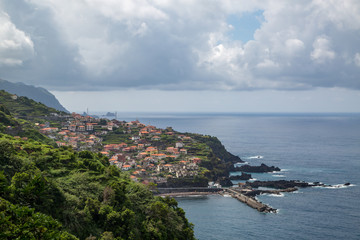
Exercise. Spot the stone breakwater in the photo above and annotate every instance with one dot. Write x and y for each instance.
(245, 193)
(250, 201)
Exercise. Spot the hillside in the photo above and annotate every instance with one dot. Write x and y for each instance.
(59, 193)
(83, 193)
(23, 107)
(36, 93)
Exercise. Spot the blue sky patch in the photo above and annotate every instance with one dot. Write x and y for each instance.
(245, 25)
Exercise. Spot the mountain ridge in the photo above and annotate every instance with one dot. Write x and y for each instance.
(38, 94)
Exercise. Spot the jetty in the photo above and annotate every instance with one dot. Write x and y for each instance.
(250, 201)
(236, 193)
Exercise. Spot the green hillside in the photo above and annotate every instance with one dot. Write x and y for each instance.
(58, 193)
(82, 192)
(36, 93)
(25, 107)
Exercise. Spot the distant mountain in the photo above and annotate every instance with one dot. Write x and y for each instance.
(36, 93)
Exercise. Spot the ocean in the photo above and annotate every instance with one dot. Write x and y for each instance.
(308, 147)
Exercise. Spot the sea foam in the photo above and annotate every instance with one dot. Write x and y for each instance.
(279, 175)
(256, 157)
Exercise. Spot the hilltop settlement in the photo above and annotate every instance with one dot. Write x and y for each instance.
(65, 176)
(148, 153)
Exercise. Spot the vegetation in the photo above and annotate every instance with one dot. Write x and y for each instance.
(25, 107)
(79, 193)
(19, 127)
(57, 193)
(48, 192)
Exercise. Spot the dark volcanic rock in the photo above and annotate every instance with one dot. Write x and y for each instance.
(225, 182)
(285, 184)
(243, 176)
(257, 169)
(254, 193)
(282, 184)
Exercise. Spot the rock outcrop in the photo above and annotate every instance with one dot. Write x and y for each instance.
(263, 168)
(243, 176)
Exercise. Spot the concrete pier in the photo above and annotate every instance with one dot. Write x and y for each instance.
(250, 201)
(233, 192)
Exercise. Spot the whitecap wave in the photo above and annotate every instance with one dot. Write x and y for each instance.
(241, 163)
(275, 195)
(226, 195)
(278, 175)
(256, 157)
(337, 186)
(284, 170)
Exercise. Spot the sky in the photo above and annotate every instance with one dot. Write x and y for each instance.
(186, 55)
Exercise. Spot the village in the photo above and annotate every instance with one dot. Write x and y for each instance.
(148, 153)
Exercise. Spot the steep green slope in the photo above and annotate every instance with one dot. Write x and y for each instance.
(58, 193)
(86, 195)
(25, 107)
(19, 127)
(36, 93)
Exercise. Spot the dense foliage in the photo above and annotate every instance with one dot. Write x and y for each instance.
(57, 193)
(83, 193)
(19, 127)
(19, 222)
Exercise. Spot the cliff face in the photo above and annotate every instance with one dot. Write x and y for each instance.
(36, 93)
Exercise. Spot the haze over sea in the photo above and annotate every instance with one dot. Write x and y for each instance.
(308, 147)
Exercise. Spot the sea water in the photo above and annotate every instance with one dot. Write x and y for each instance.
(307, 147)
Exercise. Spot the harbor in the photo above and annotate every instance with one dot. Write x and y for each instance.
(244, 195)
(244, 192)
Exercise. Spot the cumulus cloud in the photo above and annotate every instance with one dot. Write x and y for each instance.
(163, 44)
(15, 45)
(322, 51)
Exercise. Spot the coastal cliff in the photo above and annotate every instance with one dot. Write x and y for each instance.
(36, 93)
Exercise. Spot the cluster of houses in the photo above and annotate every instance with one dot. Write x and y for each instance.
(145, 158)
(143, 154)
(80, 132)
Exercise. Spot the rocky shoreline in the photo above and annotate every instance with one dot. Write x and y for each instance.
(263, 168)
(245, 192)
